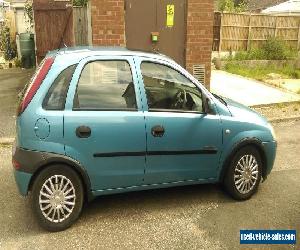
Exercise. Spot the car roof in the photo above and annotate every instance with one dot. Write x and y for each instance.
(77, 53)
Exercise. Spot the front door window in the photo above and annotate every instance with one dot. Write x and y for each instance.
(167, 89)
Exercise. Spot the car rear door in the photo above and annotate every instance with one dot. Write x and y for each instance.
(183, 142)
(104, 127)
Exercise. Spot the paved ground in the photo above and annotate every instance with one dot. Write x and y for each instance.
(195, 217)
(248, 92)
(12, 81)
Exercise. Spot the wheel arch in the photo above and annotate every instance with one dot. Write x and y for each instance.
(252, 142)
(64, 160)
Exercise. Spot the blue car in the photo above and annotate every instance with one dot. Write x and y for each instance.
(99, 121)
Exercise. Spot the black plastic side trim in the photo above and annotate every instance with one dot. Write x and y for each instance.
(119, 154)
(144, 153)
(185, 152)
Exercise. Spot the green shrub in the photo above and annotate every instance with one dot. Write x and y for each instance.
(257, 54)
(241, 55)
(296, 74)
(18, 63)
(272, 49)
(253, 54)
(275, 49)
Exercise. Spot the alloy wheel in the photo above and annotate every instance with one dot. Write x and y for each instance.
(57, 198)
(246, 174)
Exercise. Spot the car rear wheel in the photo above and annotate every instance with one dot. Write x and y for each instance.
(244, 173)
(57, 196)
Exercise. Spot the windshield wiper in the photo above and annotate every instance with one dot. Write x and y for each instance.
(220, 99)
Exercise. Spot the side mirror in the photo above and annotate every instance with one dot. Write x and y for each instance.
(208, 107)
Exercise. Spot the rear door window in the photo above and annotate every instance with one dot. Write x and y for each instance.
(105, 85)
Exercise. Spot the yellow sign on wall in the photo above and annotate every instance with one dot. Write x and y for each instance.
(170, 15)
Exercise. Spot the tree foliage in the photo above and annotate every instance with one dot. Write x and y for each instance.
(232, 6)
(28, 13)
(80, 2)
(6, 45)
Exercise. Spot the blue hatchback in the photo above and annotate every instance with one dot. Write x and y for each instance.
(98, 121)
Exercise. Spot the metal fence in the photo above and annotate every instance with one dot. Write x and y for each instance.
(234, 31)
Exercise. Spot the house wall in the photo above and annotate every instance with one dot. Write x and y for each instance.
(200, 16)
(108, 29)
(108, 22)
(21, 22)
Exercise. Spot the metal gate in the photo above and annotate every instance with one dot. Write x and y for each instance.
(53, 25)
(157, 25)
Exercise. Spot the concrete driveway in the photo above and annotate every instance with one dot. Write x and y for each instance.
(12, 81)
(194, 217)
(247, 91)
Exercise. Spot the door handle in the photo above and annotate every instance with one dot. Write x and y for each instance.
(83, 132)
(158, 131)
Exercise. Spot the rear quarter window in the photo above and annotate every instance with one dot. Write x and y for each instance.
(56, 96)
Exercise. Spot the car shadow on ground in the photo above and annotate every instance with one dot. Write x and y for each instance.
(157, 199)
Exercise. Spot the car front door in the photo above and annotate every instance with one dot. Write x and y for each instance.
(104, 127)
(183, 142)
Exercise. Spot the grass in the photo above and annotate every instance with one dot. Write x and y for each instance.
(260, 73)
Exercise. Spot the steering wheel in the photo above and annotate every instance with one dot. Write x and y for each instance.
(180, 99)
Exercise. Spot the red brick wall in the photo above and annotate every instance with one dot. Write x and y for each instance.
(108, 22)
(199, 35)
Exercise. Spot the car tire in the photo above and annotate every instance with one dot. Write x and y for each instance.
(244, 173)
(57, 197)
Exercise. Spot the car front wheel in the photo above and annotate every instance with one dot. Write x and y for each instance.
(57, 197)
(244, 173)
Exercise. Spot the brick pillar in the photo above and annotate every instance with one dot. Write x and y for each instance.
(199, 39)
(108, 22)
